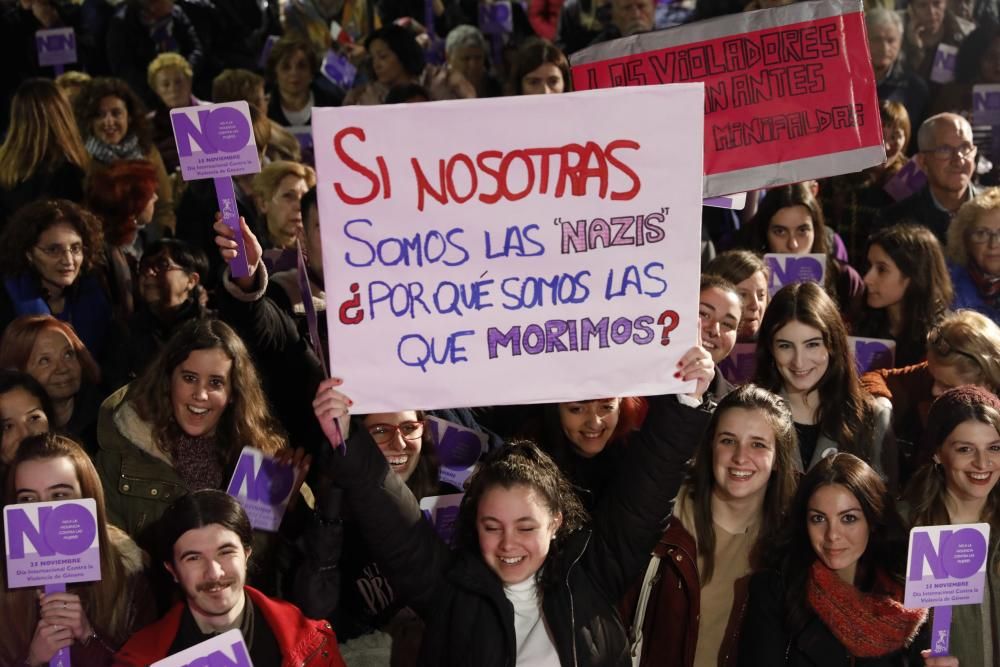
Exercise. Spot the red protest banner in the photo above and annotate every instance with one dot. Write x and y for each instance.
(789, 92)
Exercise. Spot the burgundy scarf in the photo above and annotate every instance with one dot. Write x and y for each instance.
(869, 625)
(987, 286)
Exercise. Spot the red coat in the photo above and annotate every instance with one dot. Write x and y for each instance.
(302, 642)
(670, 628)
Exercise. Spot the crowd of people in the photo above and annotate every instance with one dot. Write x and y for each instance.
(752, 523)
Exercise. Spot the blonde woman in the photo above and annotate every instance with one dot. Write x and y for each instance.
(974, 255)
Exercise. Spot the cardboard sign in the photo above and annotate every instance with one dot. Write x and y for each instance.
(442, 512)
(945, 58)
(216, 141)
(465, 261)
(496, 17)
(872, 354)
(789, 92)
(263, 487)
(907, 181)
(56, 47)
(458, 449)
(52, 543)
(735, 202)
(338, 69)
(986, 104)
(226, 650)
(741, 364)
(946, 565)
(785, 269)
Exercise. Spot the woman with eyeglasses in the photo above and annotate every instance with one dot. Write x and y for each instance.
(169, 295)
(907, 289)
(50, 257)
(974, 255)
(961, 350)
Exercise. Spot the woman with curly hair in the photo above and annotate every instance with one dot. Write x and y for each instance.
(114, 125)
(43, 155)
(907, 289)
(974, 254)
(50, 254)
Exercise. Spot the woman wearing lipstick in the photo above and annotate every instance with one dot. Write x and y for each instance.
(50, 256)
(958, 484)
(691, 603)
(532, 581)
(802, 354)
(907, 289)
(92, 619)
(181, 425)
(833, 594)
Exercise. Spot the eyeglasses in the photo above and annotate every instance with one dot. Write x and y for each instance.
(983, 235)
(158, 266)
(943, 347)
(56, 250)
(951, 152)
(384, 433)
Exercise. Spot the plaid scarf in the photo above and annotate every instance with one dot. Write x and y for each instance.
(869, 625)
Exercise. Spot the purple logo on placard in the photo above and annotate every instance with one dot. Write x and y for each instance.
(986, 104)
(872, 355)
(56, 46)
(788, 269)
(223, 130)
(220, 659)
(496, 18)
(226, 650)
(962, 554)
(741, 363)
(943, 69)
(907, 181)
(262, 486)
(339, 69)
(456, 447)
(66, 530)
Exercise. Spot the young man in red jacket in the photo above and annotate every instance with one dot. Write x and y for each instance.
(206, 539)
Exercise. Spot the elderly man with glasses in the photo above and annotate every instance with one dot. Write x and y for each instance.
(948, 157)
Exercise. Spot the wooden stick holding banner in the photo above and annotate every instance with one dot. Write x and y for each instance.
(216, 141)
(946, 566)
(39, 538)
(790, 92)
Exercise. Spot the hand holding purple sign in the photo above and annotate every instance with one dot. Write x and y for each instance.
(263, 486)
(226, 650)
(946, 566)
(216, 141)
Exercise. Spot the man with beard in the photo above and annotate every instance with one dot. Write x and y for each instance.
(205, 545)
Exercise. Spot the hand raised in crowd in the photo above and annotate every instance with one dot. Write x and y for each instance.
(331, 404)
(225, 239)
(696, 364)
(301, 462)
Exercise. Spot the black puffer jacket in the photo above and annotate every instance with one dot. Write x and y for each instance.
(468, 619)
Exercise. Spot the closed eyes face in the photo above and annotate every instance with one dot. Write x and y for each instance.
(589, 425)
(515, 530)
(838, 529)
(44, 480)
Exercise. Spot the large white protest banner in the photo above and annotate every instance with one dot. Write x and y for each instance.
(531, 249)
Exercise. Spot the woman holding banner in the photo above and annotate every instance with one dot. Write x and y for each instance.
(532, 579)
(93, 619)
(802, 354)
(689, 608)
(907, 289)
(833, 595)
(958, 484)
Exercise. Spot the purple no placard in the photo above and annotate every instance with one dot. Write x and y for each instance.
(216, 141)
(945, 59)
(986, 104)
(496, 18)
(263, 487)
(226, 650)
(56, 47)
(871, 354)
(52, 543)
(786, 269)
(906, 181)
(442, 512)
(458, 448)
(741, 363)
(946, 566)
(339, 70)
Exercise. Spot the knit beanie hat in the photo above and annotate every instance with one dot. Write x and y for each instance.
(954, 407)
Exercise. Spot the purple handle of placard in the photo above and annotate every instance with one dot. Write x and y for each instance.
(226, 197)
(941, 631)
(61, 658)
(429, 18)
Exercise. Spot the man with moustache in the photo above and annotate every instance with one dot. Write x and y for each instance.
(205, 545)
